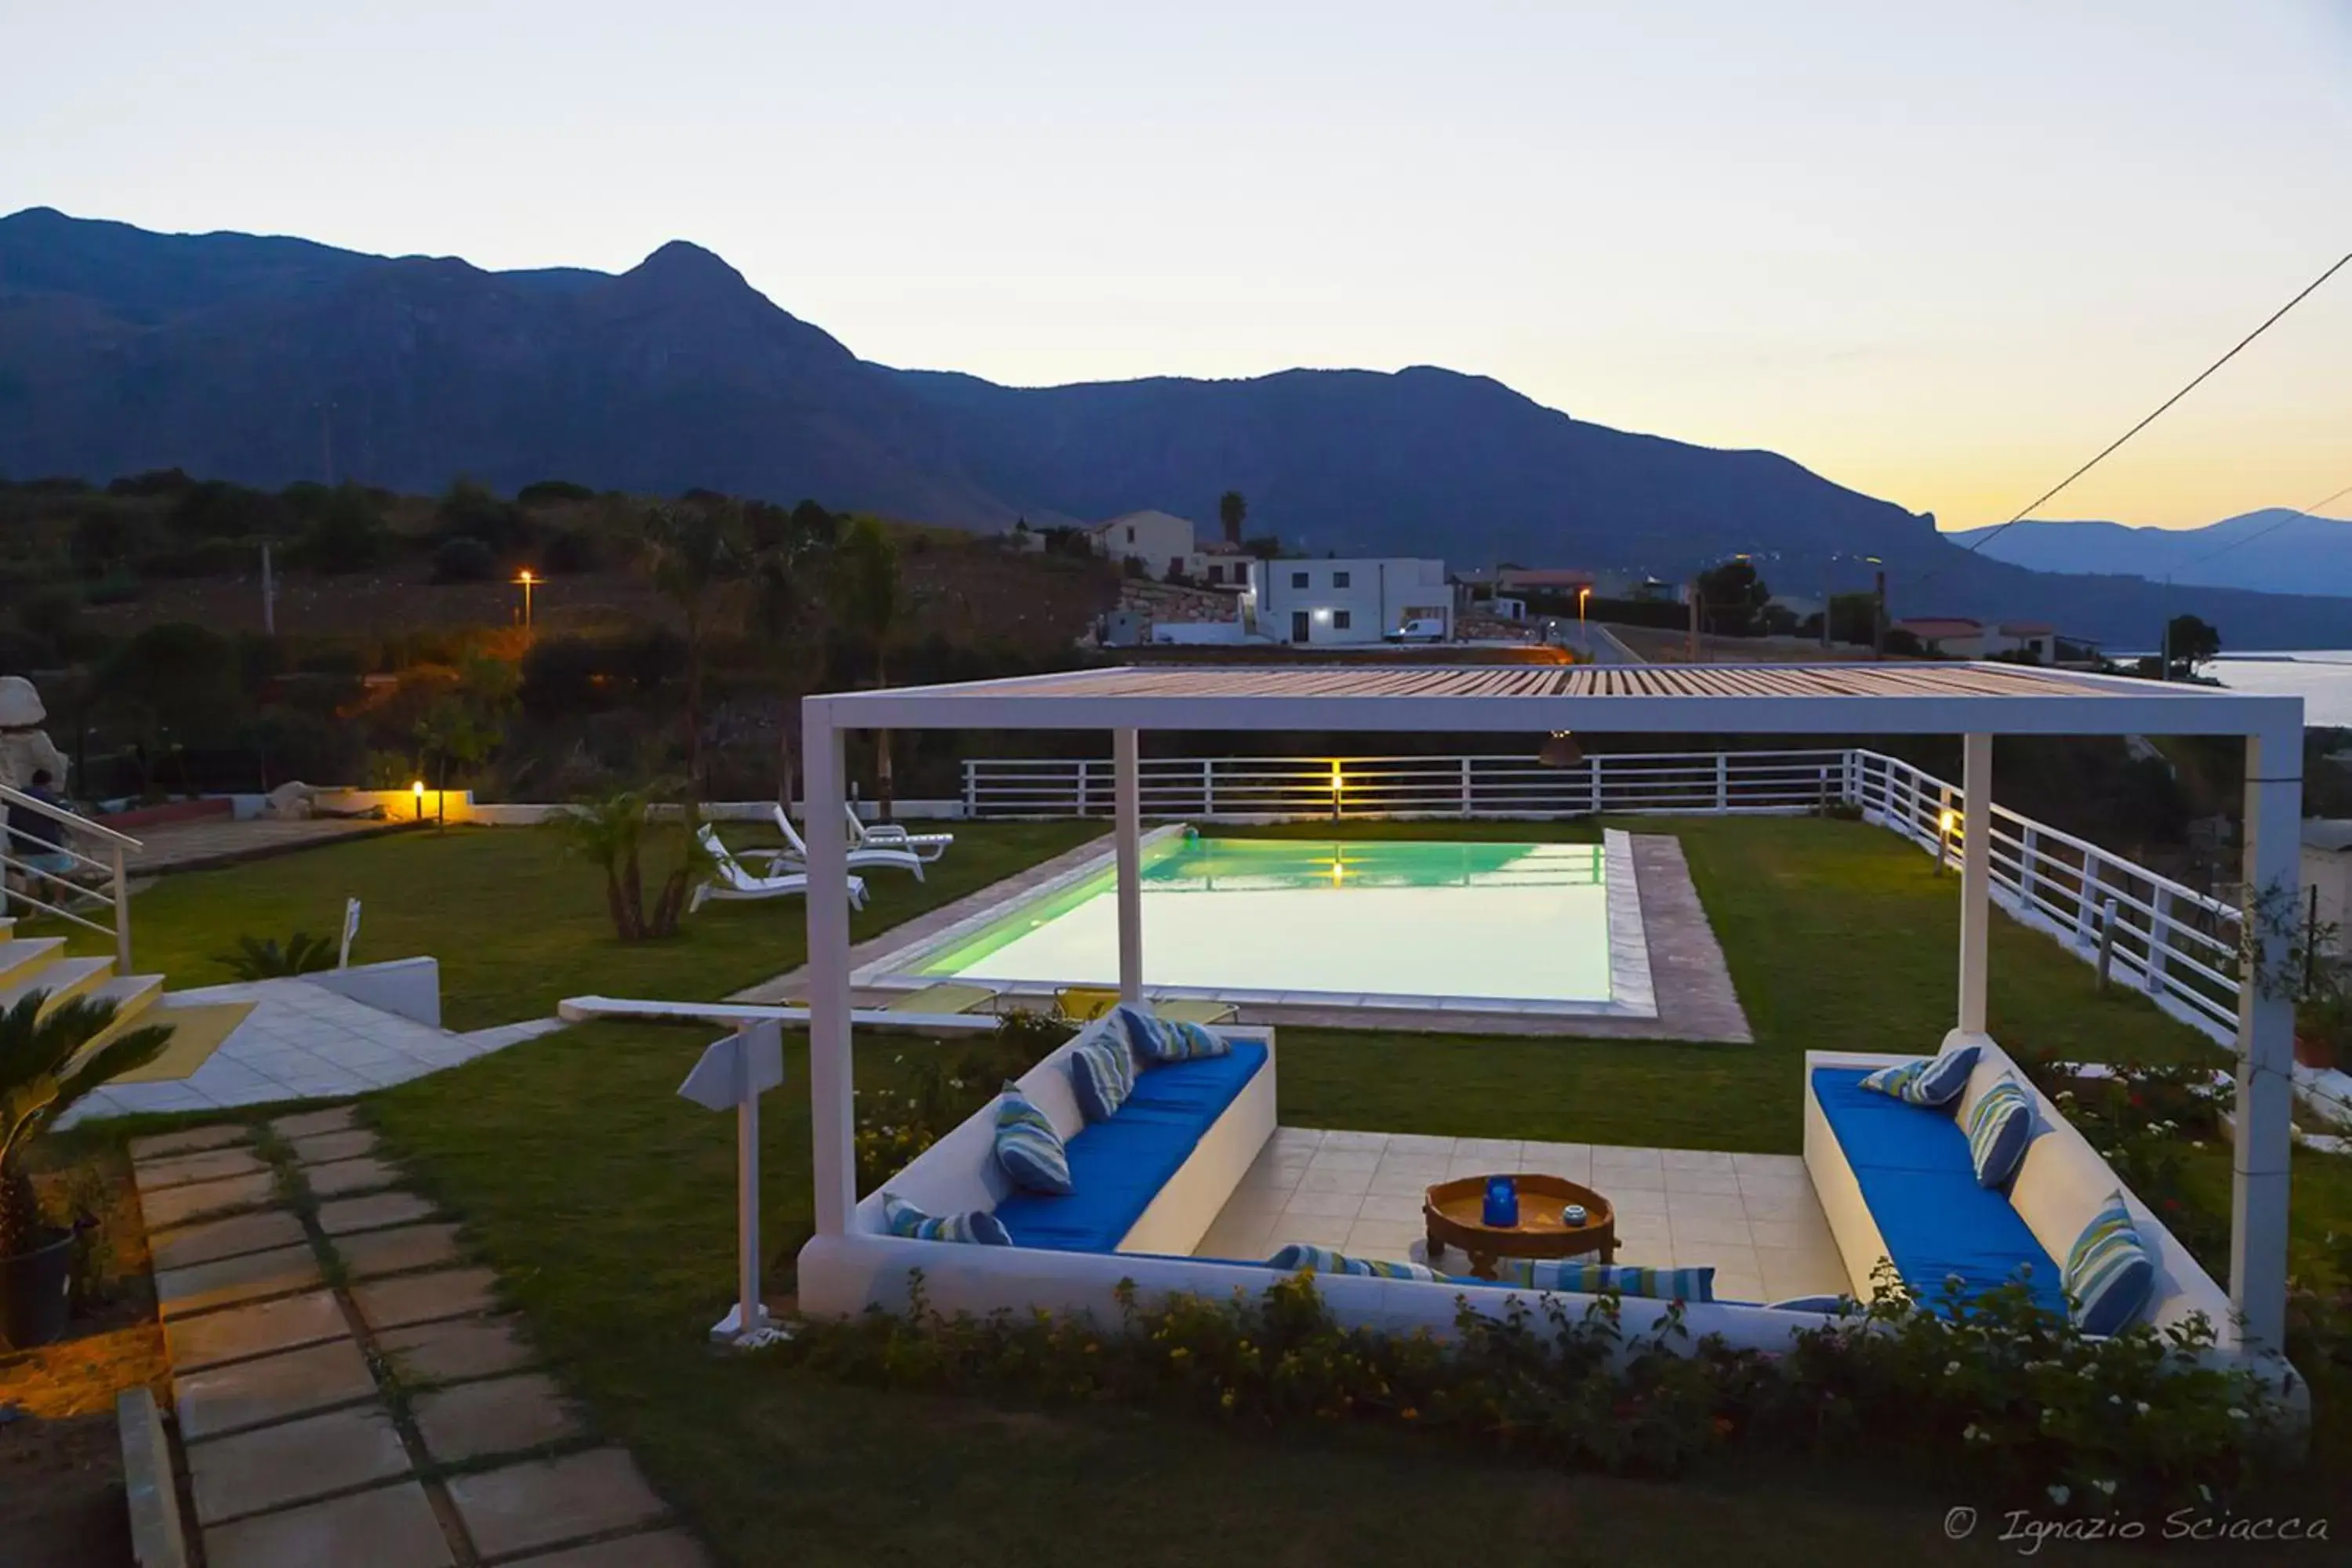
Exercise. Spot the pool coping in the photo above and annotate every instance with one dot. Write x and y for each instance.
(1632, 989)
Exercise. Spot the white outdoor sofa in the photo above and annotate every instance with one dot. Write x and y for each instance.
(841, 1275)
(1895, 1184)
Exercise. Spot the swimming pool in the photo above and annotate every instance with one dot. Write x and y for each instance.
(1420, 923)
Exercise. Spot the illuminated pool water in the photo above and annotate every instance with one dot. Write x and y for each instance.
(1427, 923)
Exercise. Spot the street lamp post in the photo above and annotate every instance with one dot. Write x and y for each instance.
(526, 580)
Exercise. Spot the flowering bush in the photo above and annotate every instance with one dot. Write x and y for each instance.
(1995, 1390)
(2144, 1119)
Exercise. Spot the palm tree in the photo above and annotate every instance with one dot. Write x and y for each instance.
(1231, 508)
(45, 1069)
(867, 599)
(787, 581)
(611, 832)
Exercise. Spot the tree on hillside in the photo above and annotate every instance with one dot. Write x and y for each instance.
(791, 556)
(1732, 598)
(2191, 643)
(1231, 508)
(866, 597)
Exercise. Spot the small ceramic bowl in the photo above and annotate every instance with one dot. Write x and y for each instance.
(1573, 1215)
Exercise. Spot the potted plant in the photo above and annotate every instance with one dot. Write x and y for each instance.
(46, 1066)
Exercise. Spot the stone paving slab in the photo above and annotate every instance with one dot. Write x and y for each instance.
(275, 1388)
(220, 1238)
(456, 1347)
(407, 1298)
(389, 1527)
(551, 1501)
(195, 1141)
(662, 1549)
(375, 1252)
(345, 1177)
(178, 1206)
(384, 1209)
(324, 1148)
(254, 1471)
(310, 1123)
(250, 1278)
(503, 1416)
(262, 1328)
(209, 1165)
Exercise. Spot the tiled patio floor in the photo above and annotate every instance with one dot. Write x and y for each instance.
(304, 1042)
(1752, 1216)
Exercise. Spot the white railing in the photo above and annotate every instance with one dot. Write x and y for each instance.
(2177, 944)
(96, 883)
(1516, 785)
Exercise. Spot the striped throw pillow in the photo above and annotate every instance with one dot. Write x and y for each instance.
(1028, 1148)
(1998, 1130)
(1299, 1256)
(900, 1218)
(1926, 1081)
(1196, 1040)
(1596, 1279)
(2109, 1274)
(1153, 1036)
(1102, 1075)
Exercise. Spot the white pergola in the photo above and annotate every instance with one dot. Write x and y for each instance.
(1977, 701)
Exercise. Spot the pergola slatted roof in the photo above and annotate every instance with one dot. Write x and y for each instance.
(1883, 698)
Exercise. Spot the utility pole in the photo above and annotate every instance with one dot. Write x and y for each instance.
(269, 596)
(1878, 615)
(1829, 597)
(1694, 620)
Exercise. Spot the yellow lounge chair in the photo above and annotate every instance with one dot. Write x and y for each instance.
(947, 996)
(1185, 1011)
(1085, 1004)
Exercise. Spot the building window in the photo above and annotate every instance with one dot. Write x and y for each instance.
(1131, 533)
(1339, 618)
(1339, 579)
(1216, 573)
(1298, 579)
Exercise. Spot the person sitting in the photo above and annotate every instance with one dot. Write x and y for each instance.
(37, 841)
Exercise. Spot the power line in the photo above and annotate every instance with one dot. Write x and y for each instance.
(2307, 290)
(2271, 528)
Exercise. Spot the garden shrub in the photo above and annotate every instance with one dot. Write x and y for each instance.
(898, 1120)
(1996, 1392)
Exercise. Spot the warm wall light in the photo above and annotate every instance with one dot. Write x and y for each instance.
(1559, 750)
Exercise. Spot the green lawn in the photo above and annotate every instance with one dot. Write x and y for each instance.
(518, 925)
(608, 1205)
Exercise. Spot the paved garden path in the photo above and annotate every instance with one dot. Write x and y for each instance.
(347, 1390)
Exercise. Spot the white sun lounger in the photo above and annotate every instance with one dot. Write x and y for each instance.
(729, 880)
(868, 835)
(794, 855)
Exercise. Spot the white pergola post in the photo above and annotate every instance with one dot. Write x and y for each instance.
(2263, 1145)
(1976, 887)
(1127, 764)
(832, 1123)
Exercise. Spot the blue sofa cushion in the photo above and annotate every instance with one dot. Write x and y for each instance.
(1585, 1278)
(1299, 1256)
(1119, 1166)
(1912, 1164)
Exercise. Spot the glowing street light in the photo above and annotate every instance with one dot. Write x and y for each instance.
(1582, 594)
(417, 791)
(526, 580)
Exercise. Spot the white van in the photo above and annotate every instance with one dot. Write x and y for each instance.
(1421, 629)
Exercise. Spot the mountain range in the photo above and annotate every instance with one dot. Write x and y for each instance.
(2275, 550)
(268, 360)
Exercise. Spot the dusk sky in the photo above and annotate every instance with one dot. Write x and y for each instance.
(1940, 260)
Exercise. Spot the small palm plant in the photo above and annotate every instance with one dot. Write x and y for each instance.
(614, 832)
(260, 958)
(45, 1069)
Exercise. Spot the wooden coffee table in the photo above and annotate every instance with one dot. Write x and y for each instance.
(1453, 1210)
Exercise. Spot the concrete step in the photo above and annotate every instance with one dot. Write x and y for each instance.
(134, 997)
(62, 978)
(19, 956)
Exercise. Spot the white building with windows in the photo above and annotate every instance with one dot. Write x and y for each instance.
(1163, 542)
(1355, 601)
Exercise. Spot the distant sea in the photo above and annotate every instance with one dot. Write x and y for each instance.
(2323, 679)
